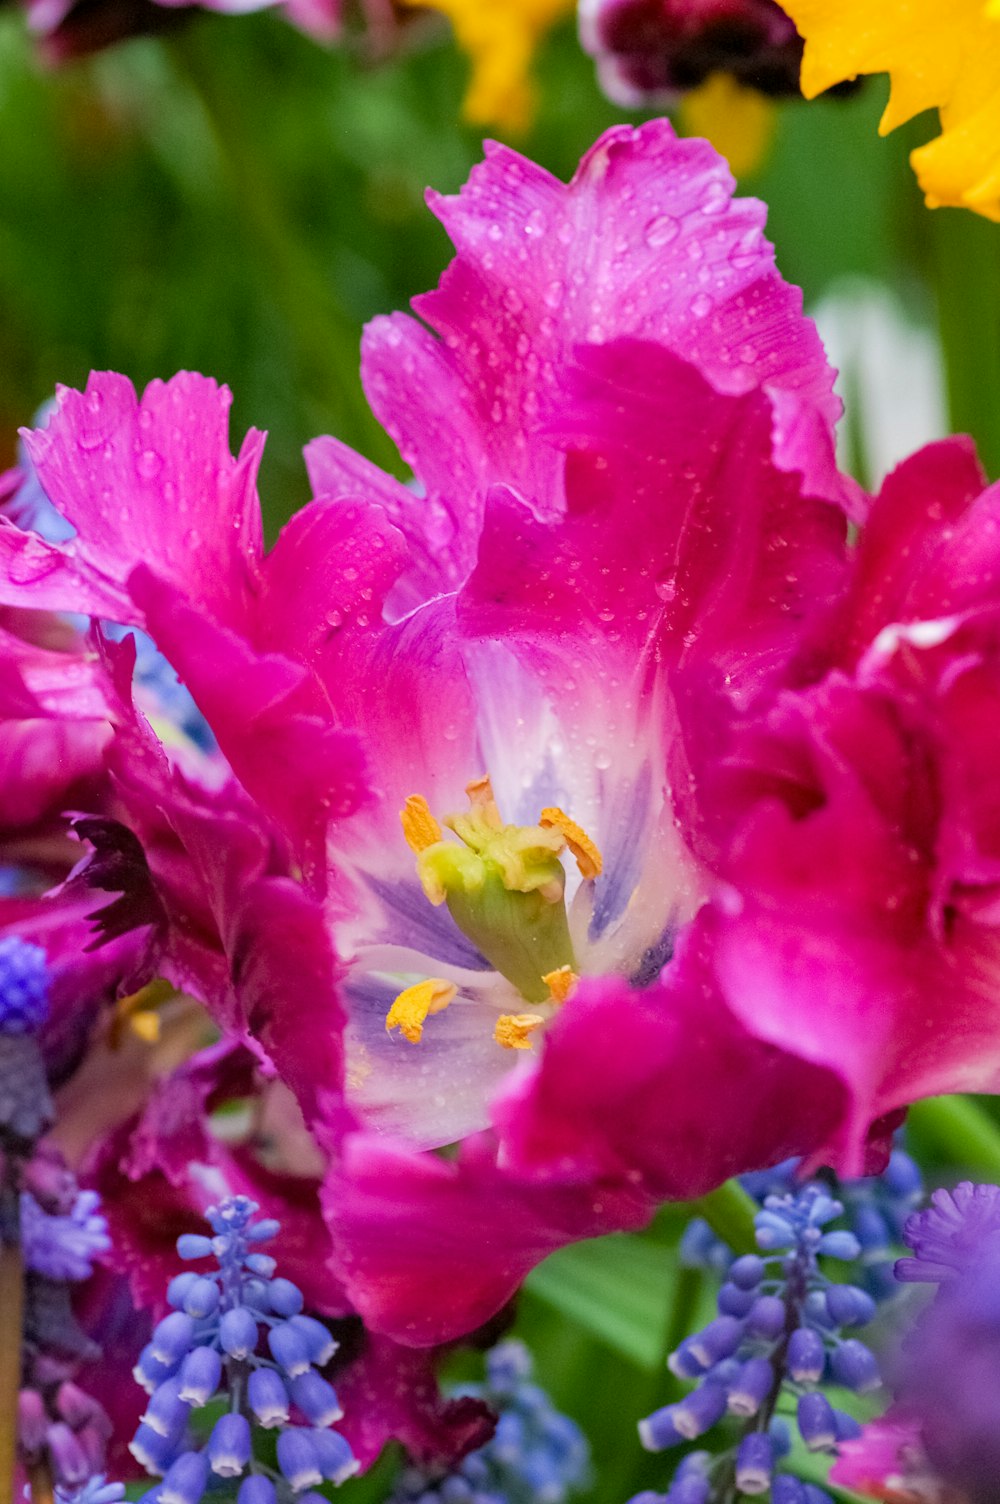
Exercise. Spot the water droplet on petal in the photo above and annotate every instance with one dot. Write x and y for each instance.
(149, 464)
(661, 231)
(701, 305)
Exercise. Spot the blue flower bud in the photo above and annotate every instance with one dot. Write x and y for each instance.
(817, 1311)
(263, 1231)
(766, 1318)
(773, 1230)
(806, 1356)
(178, 1288)
(24, 986)
(717, 1340)
(853, 1365)
(298, 1459)
(257, 1294)
(754, 1463)
(321, 1346)
(658, 1431)
(747, 1272)
(336, 1459)
(733, 1301)
(814, 1495)
(268, 1397)
(186, 1479)
(289, 1349)
(285, 1298)
(202, 1299)
(787, 1490)
(172, 1337)
(261, 1263)
(238, 1333)
(751, 1387)
(228, 1447)
(192, 1245)
(848, 1429)
(151, 1450)
(684, 1363)
(849, 1306)
(872, 1232)
(781, 1436)
(698, 1411)
(840, 1245)
(689, 1490)
(902, 1176)
(256, 1490)
(816, 1422)
(200, 1375)
(149, 1371)
(315, 1398)
(166, 1413)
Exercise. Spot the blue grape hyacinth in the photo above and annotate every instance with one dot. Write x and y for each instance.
(536, 1456)
(238, 1333)
(779, 1335)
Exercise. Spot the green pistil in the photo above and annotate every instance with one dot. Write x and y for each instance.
(504, 889)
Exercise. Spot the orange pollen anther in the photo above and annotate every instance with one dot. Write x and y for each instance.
(512, 1029)
(560, 982)
(481, 797)
(419, 826)
(415, 1004)
(588, 857)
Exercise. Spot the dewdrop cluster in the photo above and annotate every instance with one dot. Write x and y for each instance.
(209, 1347)
(536, 1455)
(777, 1338)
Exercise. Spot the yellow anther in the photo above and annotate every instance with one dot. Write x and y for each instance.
(588, 857)
(480, 792)
(419, 826)
(512, 1029)
(415, 1004)
(137, 1012)
(560, 982)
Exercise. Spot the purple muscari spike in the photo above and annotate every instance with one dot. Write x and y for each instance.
(194, 1245)
(684, 1362)
(751, 1387)
(24, 986)
(150, 1371)
(228, 1448)
(186, 1480)
(200, 1376)
(315, 1398)
(299, 1460)
(848, 1429)
(853, 1365)
(267, 1397)
(151, 1450)
(786, 1490)
(754, 1463)
(319, 1343)
(336, 1459)
(178, 1288)
(202, 1298)
(689, 1490)
(806, 1356)
(63, 1247)
(658, 1431)
(948, 1235)
(735, 1302)
(767, 1317)
(747, 1272)
(872, 1232)
(840, 1244)
(817, 1424)
(289, 1349)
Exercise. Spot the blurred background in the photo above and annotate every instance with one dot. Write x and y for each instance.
(237, 199)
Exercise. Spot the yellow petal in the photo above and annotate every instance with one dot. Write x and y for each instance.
(739, 122)
(500, 37)
(937, 56)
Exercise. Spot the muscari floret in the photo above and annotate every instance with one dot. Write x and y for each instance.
(777, 1338)
(536, 1456)
(211, 1347)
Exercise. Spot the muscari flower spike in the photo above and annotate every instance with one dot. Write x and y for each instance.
(209, 1348)
(536, 1456)
(777, 1337)
(876, 1210)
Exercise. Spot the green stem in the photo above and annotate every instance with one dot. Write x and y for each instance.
(12, 1316)
(326, 335)
(958, 1129)
(965, 269)
(729, 1212)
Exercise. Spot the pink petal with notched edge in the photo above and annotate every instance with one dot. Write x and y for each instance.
(429, 1250)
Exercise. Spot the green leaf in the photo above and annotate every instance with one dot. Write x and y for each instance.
(617, 1288)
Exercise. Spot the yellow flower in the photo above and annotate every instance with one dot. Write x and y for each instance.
(739, 122)
(938, 53)
(500, 37)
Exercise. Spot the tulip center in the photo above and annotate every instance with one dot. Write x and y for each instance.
(504, 886)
